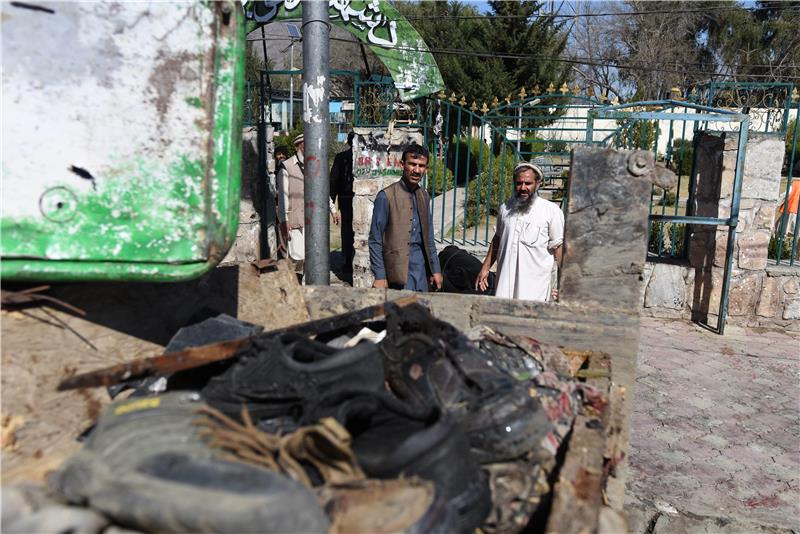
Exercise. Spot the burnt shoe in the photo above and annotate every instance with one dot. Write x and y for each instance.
(391, 439)
(430, 362)
(275, 376)
(147, 466)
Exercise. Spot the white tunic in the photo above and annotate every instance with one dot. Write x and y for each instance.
(524, 260)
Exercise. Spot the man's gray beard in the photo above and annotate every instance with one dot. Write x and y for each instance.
(523, 205)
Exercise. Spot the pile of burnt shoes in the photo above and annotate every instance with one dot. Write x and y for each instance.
(430, 430)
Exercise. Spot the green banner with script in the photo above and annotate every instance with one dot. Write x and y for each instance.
(375, 23)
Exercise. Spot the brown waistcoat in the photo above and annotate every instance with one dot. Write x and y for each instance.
(397, 236)
(295, 209)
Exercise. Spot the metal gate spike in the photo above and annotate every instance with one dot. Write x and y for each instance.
(495, 102)
(474, 107)
(484, 109)
(795, 95)
(576, 89)
(522, 94)
(551, 88)
(564, 88)
(462, 102)
(536, 89)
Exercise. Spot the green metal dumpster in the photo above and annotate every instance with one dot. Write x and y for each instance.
(121, 139)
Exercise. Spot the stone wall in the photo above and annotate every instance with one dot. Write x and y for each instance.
(759, 295)
(376, 164)
(247, 247)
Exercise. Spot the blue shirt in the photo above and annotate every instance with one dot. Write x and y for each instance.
(417, 274)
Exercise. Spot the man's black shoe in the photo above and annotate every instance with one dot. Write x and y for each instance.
(391, 439)
(429, 362)
(275, 376)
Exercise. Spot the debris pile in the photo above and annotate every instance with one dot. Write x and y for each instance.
(347, 424)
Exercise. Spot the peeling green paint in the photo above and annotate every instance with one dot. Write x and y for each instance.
(146, 219)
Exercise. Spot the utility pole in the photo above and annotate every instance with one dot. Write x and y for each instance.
(316, 88)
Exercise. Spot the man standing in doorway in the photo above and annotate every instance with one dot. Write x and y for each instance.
(401, 247)
(291, 204)
(527, 241)
(342, 187)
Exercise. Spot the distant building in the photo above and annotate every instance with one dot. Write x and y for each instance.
(281, 106)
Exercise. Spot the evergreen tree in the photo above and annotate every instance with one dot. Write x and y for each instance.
(519, 29)
(483, 57)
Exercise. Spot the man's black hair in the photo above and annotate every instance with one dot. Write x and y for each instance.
(282, 149)
(415, 150)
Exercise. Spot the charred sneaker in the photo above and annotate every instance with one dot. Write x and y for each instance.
(391, 439)
(430, 362)
(275, 376)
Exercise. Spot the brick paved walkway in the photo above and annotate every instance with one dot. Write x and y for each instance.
(715, 439)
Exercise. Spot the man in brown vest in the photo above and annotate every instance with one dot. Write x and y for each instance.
(291, 204)
(290, 182)
(401, 247)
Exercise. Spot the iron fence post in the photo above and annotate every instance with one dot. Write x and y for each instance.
(734, 220)
(785, 216)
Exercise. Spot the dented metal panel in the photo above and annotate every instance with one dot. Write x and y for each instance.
(121, 139)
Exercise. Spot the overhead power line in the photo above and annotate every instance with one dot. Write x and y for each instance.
(596, 62)
(583, 15)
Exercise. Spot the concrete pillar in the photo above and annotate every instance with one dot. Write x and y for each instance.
(711, 195)
(246, 248)
(376, 165)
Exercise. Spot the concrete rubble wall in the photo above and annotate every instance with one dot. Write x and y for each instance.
(760, 294)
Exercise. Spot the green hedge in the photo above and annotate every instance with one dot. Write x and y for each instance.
(436, 185)
(500, 174)
(682, 155)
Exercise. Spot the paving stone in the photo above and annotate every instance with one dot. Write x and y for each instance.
(732, 400)
(705, 525)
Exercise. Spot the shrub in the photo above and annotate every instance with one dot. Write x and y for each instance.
(497, 181)
(682, 156)
(636, 134)
(789, 138)
(666, 239)
(439, 178)
(786, 249)
(667, 198)
(471, 154)
(558, 147)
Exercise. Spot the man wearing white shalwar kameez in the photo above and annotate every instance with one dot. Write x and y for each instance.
(527, 242)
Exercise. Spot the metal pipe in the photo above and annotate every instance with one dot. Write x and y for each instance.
(734, 219)
(316, 89)
(291, 86)
(785, 216)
